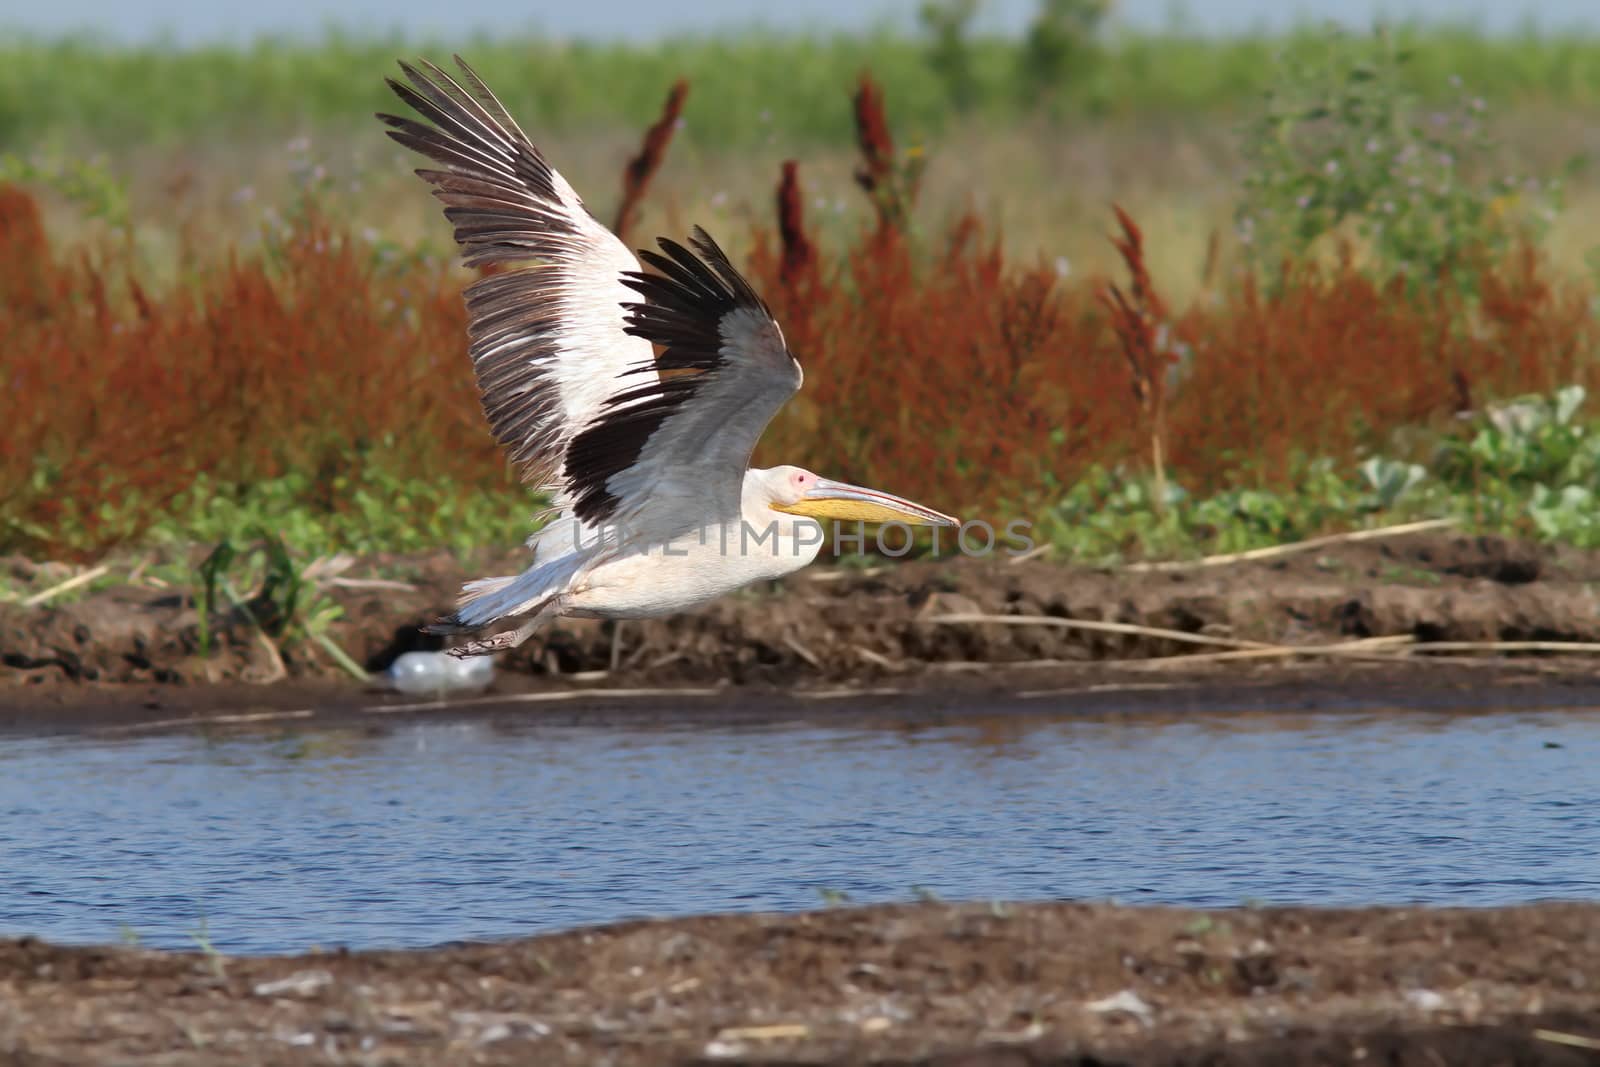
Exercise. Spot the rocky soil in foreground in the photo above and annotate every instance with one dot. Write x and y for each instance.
(976, 985)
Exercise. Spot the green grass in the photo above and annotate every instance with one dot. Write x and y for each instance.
(1525, 469)
(385, 513)
(748, 90)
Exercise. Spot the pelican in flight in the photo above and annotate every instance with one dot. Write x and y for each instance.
(645, 456)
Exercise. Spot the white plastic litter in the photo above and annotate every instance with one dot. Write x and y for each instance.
(439, 672)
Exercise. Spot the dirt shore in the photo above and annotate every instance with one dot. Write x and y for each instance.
(899, 625)
(968, 985)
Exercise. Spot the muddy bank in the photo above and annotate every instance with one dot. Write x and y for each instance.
(926, 698)
(868, 627)
(1012, 984)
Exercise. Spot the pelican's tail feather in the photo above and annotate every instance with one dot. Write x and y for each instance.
(488, 600)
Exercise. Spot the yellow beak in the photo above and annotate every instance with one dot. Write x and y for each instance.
(854, 503)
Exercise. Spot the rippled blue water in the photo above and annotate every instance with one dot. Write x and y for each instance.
(463, 830)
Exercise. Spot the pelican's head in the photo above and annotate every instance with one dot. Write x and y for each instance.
(796, 491)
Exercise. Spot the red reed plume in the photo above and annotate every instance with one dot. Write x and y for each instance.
(642, 167)
(1135, 318)
(892, 187)
(799, 256)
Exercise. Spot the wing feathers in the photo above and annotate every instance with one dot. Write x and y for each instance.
(562, 346)
(544, 338)
(686, 304)
(685, 311)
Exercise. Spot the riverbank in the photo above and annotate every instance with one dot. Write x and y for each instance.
(1452, 607)
(973, 984)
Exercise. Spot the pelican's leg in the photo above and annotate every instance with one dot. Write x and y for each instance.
(616, 644)
(509, 638)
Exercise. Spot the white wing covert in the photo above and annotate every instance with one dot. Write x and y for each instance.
(562, 348)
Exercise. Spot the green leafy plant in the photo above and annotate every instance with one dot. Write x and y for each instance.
(87, 183)
(1061, 45)
(286, 605)
(1567, 514)
(201, 936)
(1344, 146)
(948, 26)
(1390, 480)
(1523, 442)
(370, 510)
(1531, 461)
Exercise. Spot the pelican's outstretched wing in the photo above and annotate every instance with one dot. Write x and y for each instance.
(562, 348)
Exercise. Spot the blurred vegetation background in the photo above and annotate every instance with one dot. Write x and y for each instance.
(1362, 249)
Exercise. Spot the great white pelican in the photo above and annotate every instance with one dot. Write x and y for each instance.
(645, 456)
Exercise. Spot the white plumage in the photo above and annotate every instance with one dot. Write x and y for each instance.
(645, 455)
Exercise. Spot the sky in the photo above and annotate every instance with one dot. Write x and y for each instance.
(199, 21)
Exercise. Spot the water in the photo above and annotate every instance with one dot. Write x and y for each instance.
(448, 831)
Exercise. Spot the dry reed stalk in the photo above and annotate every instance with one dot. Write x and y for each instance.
(1387, 648)
(768, 1032)
(1096, 626)
(277, 670)
(1561, 1037)
(1275, 551)
(850, 692)
(82, 578)
(955, 666)
(597, 694)
(1571, 648)
(643, 166)
(232, 719)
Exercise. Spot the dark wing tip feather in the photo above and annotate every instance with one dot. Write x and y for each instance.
(706, 244)
(718, 261)
(706, 272)
(445, 625)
